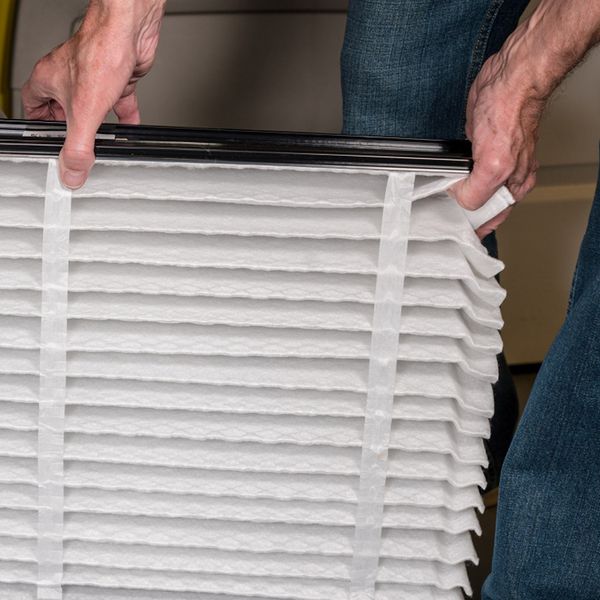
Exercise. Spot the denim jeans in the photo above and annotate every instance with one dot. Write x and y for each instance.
(407, 66)
(548, 524)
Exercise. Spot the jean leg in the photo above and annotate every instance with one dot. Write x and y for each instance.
(548, 525)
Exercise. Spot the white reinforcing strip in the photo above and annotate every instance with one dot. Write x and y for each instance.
(381, 383)
(53, 376)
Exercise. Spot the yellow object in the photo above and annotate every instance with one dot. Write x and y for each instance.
(7, 22)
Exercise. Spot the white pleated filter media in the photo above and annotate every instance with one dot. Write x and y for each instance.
(221, 383)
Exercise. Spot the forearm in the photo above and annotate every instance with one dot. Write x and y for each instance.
(129, 13)
(550, 43)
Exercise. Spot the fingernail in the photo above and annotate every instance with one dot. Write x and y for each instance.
(73, 179)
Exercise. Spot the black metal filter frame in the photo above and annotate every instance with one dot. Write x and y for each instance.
(143, 142)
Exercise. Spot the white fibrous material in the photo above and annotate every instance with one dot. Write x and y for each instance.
(241, 383)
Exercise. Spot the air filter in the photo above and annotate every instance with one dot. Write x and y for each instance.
(241, 366)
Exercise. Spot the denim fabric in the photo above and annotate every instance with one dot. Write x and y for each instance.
(407, 66)
(548, 524)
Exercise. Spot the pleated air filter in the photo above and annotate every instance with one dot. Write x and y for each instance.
(241, 368)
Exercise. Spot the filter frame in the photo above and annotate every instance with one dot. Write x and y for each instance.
(232, 146)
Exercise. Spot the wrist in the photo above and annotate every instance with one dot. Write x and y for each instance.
(129, 16)
(529, 72)
(549, 44)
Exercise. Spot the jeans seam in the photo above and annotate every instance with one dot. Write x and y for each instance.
(480, 46)
(574, 286)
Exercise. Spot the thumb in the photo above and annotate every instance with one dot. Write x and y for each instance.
(473, 192)
(482, 183)
(77, 155)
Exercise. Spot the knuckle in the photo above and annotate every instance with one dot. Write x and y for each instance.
(499, 167)
(42, 68)
(39, 67)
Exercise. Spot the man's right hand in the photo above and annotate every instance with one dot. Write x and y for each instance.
(92, 73)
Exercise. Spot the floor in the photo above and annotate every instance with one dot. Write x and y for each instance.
(485, 543)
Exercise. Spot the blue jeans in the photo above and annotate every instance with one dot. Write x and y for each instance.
(548, 525)
(407, 66)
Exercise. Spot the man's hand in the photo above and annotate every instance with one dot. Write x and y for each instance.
(92, 73)
(508, 96)
(502, 123)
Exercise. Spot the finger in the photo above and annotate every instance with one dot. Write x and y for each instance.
(521, 190)
(77, 155)
(127, 109)
(526, 166)
(474, 191)
(36, 105)
(41, 88)
(30, 93)
(494, 223)
(40, 113)
(40, 101)
(492, 167)
(57, 112)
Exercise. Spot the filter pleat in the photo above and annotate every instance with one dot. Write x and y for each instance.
(28, 592)
(186, 480)
(269, 186)
(138, 581)
(175, 560)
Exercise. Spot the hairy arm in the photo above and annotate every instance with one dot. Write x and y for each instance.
(92, 73)
(508, 97)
